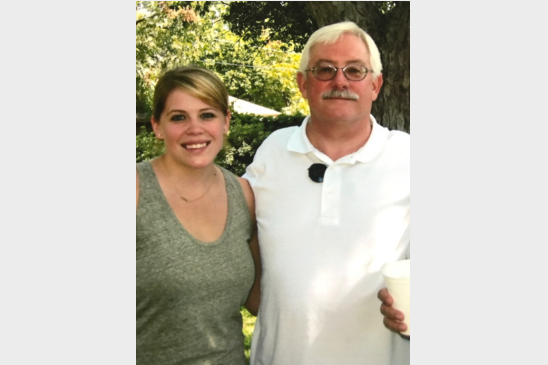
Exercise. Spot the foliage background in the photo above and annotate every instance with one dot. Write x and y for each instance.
(173, 33)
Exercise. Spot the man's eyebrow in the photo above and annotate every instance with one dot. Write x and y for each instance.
(324, 60)
(347, 62)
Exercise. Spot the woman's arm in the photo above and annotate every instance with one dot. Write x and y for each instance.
(254, 299)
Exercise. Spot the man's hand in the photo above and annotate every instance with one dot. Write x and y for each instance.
(392, 317)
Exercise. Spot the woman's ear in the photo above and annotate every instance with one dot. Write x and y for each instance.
(156, 128)
(227, 121)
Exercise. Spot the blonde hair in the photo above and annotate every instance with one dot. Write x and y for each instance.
(332, 33)
(194, 80)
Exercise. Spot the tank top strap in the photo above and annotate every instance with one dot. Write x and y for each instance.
(149, 187)
(235, 192)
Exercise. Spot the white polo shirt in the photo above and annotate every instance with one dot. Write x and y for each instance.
(323, 245)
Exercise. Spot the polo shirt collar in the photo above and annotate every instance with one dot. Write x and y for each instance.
(299, 142)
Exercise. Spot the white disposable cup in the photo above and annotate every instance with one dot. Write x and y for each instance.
(397, 276)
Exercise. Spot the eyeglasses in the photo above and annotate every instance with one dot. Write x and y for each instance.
(328, 72)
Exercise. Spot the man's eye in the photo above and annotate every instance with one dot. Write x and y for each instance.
(354, 70)
(325, 70)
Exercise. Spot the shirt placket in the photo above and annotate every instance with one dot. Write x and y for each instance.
(331, 195)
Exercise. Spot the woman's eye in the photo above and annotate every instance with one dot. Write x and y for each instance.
(178, 118)
(208, 115)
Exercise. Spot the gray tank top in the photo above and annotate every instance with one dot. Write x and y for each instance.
(189, 292)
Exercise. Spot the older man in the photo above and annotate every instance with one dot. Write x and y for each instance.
(333, 205)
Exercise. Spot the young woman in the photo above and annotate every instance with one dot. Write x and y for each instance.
(197, 252)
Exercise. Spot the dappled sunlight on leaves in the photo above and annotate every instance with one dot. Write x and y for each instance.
(168, 36)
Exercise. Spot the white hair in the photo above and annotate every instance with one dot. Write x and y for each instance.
(332, 33)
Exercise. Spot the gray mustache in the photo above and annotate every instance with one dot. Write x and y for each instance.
(346, 94)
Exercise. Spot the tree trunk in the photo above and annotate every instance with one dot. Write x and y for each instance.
(391, 32)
